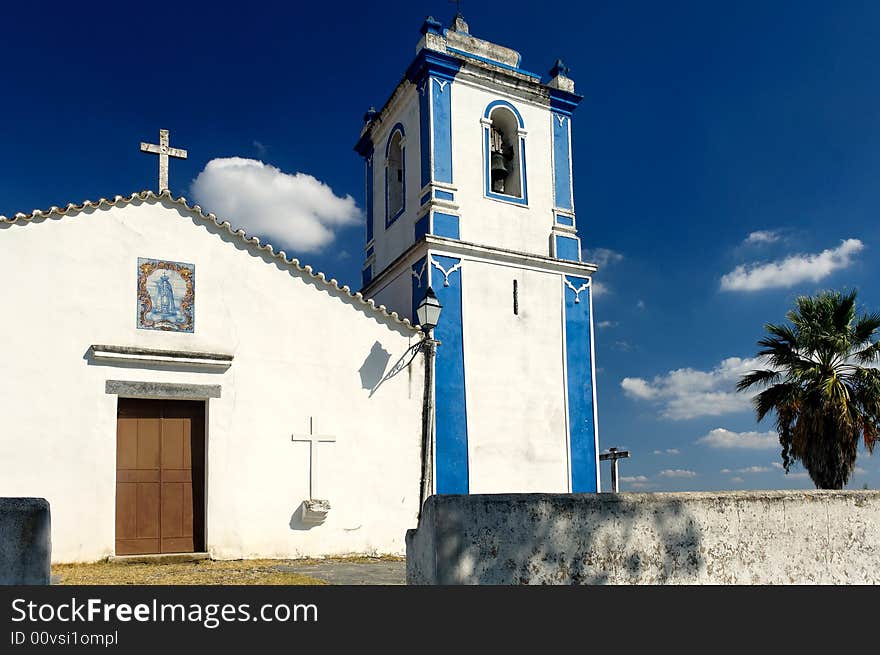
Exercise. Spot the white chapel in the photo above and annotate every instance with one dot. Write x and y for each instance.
(179, 386)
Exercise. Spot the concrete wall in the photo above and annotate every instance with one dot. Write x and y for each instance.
(301, 349)
(25, 541)
(752, 537)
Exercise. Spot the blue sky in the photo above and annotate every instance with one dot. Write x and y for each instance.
(702, 124)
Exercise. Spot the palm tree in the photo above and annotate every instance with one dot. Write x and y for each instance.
(819, 384)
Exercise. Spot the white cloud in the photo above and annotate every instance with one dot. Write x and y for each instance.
(721, 438)
(797, 474)
(687, 393)
(606, 324)
(792, 270)
(762, 236)
(749, 470)
(736, 478)
(637, 482)
(640, 304)
(638, 388)
(668, 451)
(602, 256)
(294, 211)
(599, 289)
(677, 473)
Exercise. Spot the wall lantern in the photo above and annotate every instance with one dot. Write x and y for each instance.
(428, 311)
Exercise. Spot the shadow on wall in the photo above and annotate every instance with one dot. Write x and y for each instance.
(371, 371)
(373, 368)
(564, 539)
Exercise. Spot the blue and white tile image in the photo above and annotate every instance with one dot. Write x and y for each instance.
(166, 295)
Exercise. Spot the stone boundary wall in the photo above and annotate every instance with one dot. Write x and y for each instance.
(25, 541)
(748, 537)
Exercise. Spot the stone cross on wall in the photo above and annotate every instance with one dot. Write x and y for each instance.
(164, 151)
(313, 439)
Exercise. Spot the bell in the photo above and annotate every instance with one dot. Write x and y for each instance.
(500, 169)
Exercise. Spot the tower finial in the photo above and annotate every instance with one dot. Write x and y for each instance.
(458, 22)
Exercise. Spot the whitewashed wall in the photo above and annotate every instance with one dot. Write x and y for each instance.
(299, 347)
(517, 437)
(393, 241)
(501, 224)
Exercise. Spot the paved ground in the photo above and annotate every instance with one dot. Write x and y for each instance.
(366, 572)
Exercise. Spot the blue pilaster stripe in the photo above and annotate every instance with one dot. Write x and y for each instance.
(445, 225)
(567, 247)
(561, 160)
(422, 226)
(579, 372)
(441, 114)
(433, 72)
(425, 132)
(420, 277)
(451, 409)
(370, 198)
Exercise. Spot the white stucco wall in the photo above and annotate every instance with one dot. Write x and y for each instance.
(301, 349)
(488, 221)
(393, 241)
(517, 437)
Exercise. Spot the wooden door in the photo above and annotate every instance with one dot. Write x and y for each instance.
(160, 457)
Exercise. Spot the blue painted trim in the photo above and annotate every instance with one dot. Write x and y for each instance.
(451, 406)
(394, 130)
(566, 247)
(561, 160)
(431, 25)
(471, 55)
(370, 183)
(444, 195)
(370, 251)
(503, 103)
(434, 124)
(419, 285)
(430, 62)
(582, 432)
(441, 115)
(422, 227)
(424, 199)
(564, 102)
(562, 219)
(366, 276)
(425, 133)
(445, 225)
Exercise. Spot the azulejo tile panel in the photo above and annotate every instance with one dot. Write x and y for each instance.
(166, 295)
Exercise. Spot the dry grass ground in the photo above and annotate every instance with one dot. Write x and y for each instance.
(202, 572)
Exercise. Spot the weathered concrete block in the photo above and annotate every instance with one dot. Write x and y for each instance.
(25, 541)
(751, 537)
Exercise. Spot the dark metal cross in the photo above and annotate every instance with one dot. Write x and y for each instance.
(613, 454)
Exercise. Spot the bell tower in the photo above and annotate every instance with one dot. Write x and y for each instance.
(469, 191)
